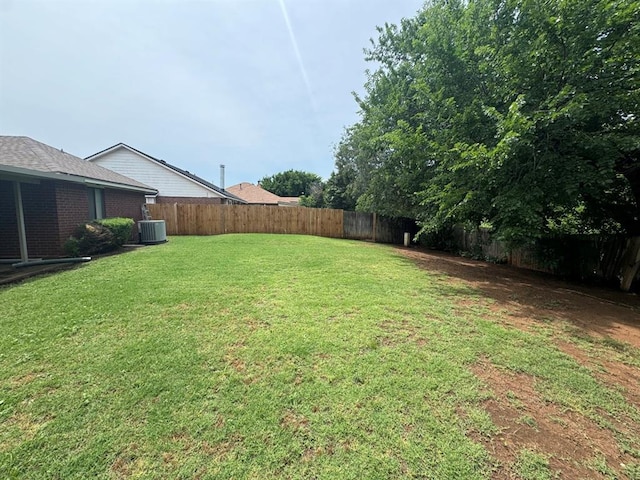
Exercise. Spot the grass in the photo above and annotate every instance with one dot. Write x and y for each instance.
(257, 356)
(532, 466)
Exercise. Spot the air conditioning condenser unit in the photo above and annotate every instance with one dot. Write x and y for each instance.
(152, 231)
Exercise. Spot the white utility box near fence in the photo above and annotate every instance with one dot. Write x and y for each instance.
(407, 239)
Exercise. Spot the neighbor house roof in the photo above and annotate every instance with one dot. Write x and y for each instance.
(23, 156)
(185, 173)
(251, 193)
(290, 201)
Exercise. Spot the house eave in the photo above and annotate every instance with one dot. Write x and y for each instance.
(25, 175)
(102, 183)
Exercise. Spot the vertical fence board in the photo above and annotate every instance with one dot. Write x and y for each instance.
(166, 212)
(358, 226)
(204, 219)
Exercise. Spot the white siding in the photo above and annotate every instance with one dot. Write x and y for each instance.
(169, 183)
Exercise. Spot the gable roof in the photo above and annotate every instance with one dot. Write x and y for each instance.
(184, 173)
(254, 194)
(28, 157)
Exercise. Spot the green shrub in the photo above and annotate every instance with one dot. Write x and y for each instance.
(72, 247)
(99, 236)
(90, 238)
(120, 227)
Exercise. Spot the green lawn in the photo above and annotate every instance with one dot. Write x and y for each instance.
(263, 356)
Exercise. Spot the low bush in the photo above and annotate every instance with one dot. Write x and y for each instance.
(72, 247)
(99, 236)
(120, 227)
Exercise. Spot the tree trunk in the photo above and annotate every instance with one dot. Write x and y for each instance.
(630, 263)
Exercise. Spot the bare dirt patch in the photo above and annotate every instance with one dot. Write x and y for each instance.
(597, 327)
(27, 425)
(128, 462)
(572, 441)
(295, 421)
(527, 297)
(624, 378)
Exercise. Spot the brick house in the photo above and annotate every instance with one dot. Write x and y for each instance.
(174, 184)
(46, 193)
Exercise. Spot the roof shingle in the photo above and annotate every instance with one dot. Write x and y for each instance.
(254, 194)
(29, 154)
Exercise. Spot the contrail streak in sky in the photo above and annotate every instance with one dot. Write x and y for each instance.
(303, 70)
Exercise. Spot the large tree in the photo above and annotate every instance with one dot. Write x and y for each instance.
(522, 114)
(292, 183)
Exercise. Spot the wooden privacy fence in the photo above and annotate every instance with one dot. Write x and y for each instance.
(581, 257)
(190, 219)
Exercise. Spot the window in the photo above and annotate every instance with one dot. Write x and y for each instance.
(96, 204)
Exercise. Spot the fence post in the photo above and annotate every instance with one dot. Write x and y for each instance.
(175, 217)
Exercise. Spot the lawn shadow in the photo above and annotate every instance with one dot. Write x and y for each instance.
(528, 296)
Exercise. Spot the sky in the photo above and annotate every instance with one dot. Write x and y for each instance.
(261, 86)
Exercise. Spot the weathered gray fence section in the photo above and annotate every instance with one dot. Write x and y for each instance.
(583, 257)
(479, 242)
(357, 225)
(377, 228)
(391, 230)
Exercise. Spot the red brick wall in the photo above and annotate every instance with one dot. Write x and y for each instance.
(52, 211)
(196, 200)
(72, 208)
(120, 203)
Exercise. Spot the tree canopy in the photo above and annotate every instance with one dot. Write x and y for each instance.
(292, 183)
(520, 114)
